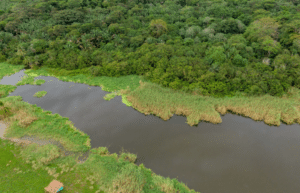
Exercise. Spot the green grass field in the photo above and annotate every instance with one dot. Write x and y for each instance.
(16, 175)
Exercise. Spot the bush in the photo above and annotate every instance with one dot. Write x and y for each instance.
(56, 31)
(5, 37)
(109, 47)
(116, 69)
(217, 89)
(127, 157)
(69, 60)
(4, 112)
(96, 70)
(17, 60)
(2, 25)
(275, 88)
(39, 46)
(96, 57)
(255, 90)
(100, 151)
(2, 58)
(83, 60)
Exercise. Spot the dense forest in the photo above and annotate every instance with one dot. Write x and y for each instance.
(206, 47)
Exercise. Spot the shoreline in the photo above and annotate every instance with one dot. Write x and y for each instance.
(272, 110)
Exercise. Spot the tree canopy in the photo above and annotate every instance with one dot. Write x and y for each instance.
(207, 47)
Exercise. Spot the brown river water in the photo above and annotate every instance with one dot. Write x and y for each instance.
(238, 155)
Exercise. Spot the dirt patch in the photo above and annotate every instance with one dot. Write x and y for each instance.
(2, 129)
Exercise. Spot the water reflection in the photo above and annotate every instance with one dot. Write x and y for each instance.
(238, 155)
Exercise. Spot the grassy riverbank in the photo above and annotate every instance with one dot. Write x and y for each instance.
(151, 98)
(101, 172)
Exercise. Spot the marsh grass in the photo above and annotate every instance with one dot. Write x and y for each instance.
(30, 80)
(108, 84)
(40, 94)
(110, 96)
(150, 98)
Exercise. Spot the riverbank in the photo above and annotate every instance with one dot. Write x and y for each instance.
(150, 98)
(101, 171)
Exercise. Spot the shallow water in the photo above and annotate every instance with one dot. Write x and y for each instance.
(238, 155)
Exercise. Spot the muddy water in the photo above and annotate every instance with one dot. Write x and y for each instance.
(237, 156)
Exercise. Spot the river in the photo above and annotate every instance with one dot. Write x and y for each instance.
(238, 155)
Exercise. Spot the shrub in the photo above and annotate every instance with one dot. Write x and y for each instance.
(5, 112)
(39, 46)
(217, 89)
(100, 151)
(2, 58)
(68, 60)
(96, 57)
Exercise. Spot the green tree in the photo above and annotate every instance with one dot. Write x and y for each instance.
(238, 60)
(237, 41)
(72, 4)
(217, 89)
(137, 41)
(86, 28)
(245, 18)
(215, 54)
(158, 27)
(229, 25)
(38, 46)
(255, 90)
(68, 60)
(296, 46)
(57, 30)
(117, 13)
(270, 45)
(262, 27)
(260, 13)
(276, 88)
(219, 11)
(68, 16)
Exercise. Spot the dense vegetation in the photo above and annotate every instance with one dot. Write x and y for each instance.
(218, 48)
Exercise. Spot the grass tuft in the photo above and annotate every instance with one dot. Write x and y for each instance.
(40, 94)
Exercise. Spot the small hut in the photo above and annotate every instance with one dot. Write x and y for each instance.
(54, 186)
